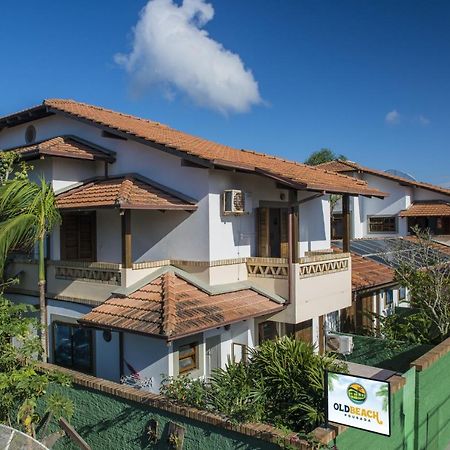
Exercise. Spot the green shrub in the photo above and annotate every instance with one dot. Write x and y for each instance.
(185, 390)
(234, 392)
(282, 384)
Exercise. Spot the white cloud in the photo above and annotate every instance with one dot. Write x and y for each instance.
(424, 121)
(392, 117)
(170, 49)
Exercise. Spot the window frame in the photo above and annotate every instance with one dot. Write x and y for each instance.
(72, 325)
(93, 231)
(193, 353)
(370, 231)
(244, 352)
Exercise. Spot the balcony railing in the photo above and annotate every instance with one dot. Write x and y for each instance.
(267, 267)
(309, 266)
(96, 272)
(323, 264)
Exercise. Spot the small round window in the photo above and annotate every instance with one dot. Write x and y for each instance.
(30, 134)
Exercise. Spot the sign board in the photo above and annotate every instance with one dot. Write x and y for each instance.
(359, 402)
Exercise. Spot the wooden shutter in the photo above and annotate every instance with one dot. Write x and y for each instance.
(284, 244)
(263, 232)
(78, 234)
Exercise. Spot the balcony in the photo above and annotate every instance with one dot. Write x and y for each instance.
(321, 283)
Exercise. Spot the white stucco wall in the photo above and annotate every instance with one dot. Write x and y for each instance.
(148, 356)
(314, 224)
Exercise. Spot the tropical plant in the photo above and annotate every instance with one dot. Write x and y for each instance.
(236, 392)
(282, 384)
(292, 376)
(28, 212)
(22, 382)
(383, 392)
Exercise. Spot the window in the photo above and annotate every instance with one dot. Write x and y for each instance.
(378, 224)
(78, 237)
(389, 295)
(267, 331)
(187, 357)
(72, 346)
(402, 293)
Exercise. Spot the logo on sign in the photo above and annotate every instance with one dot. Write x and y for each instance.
(356, 393)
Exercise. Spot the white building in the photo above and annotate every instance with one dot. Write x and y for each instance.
(408, 203)
(175, 254)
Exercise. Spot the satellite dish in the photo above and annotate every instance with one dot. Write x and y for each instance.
(399, 173)
(12, 439)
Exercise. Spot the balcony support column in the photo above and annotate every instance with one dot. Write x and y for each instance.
(346, 222)
(293, 233)
(127, 262)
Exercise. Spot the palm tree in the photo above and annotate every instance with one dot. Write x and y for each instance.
(384, 393)
(28, 214)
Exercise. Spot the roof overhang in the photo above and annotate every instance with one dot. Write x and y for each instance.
(123, 192)
(48, 109)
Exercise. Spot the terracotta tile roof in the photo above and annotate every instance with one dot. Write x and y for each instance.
(297, 175)
(367, 273)
(341, 166)
(126, 192)
(171, 307)
(427, 209)
(64, 146)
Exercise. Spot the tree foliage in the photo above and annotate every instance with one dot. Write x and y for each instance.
(22, 382)
(425, 272)
(282, 384)
(398, 328)
(322, 156)
(28, 213)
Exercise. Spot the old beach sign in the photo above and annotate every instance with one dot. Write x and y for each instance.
(358, 402)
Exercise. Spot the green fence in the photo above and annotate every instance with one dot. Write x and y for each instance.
(107, 422)
(420, 411)
(420, 416)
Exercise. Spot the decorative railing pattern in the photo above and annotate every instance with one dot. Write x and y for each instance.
(106, 273)
(267, 267)
(317, 268)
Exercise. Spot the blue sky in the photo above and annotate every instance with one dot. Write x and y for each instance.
(369, 79)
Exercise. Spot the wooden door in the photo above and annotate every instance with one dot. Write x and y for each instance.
(272, 232)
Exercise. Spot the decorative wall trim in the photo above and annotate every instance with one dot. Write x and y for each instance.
(323, 268)
(267, 267)
(89, 274)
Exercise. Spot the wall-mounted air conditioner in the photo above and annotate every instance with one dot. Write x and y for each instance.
(339, 344)
(233, 202)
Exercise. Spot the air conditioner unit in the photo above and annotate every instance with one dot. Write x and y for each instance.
(339, 344)
(388, 311)
(233, 202)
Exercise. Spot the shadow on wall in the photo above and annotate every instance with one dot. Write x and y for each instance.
(311, 228)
